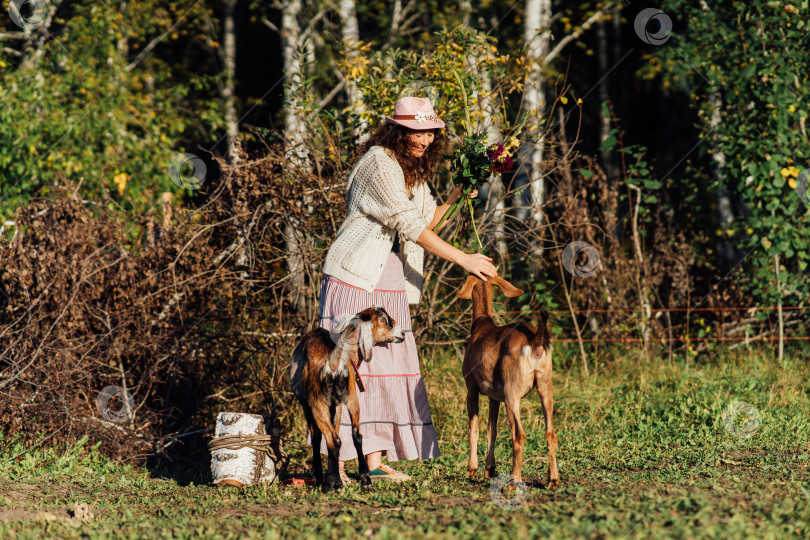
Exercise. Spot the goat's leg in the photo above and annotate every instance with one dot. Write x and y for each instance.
(518, 436)
(336, 411)
(492, 432)
(332, 480)
(315, 433)
(323, 420)
(353, 404)
(472, 412)
(547, 398)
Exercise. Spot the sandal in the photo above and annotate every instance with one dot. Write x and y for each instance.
(344, 478)
(384, 472)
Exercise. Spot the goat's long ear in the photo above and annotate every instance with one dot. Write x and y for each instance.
(467, 288)
(508, 289)
(344, 323)
(337, 332)
(365, 341)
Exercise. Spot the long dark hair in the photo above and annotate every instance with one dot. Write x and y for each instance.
(417, 169)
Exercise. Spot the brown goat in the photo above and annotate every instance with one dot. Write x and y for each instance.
(323, 377)
(505, 363)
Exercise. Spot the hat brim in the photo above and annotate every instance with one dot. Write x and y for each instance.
(413, 124)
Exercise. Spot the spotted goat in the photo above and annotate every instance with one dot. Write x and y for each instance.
(324, 375)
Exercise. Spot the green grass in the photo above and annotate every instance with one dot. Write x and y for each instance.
(644, 452)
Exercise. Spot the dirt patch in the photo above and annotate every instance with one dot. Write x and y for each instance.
(332, 510)
(57, 514)
(19, 494)
(19, 497)
(277, 510)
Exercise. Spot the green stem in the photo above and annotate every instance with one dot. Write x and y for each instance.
(464, 97)
(447, 215)
(472, 218)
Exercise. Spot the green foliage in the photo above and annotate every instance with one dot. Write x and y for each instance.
(78, 114)
(384, 76)
(747, 67)
(470, 164)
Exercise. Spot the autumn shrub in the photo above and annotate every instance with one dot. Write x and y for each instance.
(191, 318)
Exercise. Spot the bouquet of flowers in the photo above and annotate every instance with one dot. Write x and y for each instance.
(474, 162)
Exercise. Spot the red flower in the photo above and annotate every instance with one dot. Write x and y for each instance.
(495, 151)
(504, 165)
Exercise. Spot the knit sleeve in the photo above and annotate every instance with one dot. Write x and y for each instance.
(430, 205)
(380, 189)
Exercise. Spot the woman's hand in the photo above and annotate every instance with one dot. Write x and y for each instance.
(474, 263)
(479, 265)
(457, 193)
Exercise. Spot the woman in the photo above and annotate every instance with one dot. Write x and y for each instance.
(377, 259)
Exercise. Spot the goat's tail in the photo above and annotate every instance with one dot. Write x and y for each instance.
(542, 339)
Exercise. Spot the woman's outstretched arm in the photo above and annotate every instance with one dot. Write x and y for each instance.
(442, 210)
(474, 263)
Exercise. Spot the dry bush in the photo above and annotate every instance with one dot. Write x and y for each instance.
(190, 316)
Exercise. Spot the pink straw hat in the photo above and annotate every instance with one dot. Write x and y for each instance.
(415, 113)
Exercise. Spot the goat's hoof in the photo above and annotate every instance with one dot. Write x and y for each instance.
(514, 484)
(471, 472)
(553, 483)
(365, 481)
(490, 472)
(332, 484)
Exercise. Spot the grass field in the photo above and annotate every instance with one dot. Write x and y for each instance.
(644, 452)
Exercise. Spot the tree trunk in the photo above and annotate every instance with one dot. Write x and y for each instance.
(641, 278)
(295, 125)
(295, 138)
(35, 47)
(396, 18)
(350, 30)
(530, 171)
(229, 49)
(495, 193)
(725, 215)
(603, 56)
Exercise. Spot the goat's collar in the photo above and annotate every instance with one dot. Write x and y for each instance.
(477, 321)
(360, 385)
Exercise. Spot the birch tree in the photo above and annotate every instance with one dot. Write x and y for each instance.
(603, 57)
(229, 59)
(537, 39)
(725, 214)
(539, 56)
(295, 135)
(350, 30)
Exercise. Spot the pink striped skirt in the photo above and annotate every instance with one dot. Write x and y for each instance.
(394, 412)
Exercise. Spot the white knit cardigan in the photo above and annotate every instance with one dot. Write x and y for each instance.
(378, 208)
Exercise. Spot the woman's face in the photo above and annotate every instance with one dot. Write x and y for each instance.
(418, 141)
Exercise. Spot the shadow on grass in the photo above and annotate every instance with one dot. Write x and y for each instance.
(190, 464)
